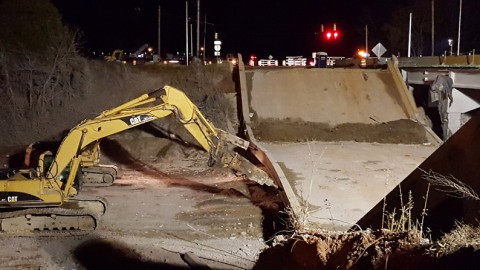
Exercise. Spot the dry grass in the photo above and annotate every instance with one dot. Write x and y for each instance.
(463, 236)
(450, 185)
(401, 220)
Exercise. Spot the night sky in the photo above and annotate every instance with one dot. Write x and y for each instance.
(261, 27)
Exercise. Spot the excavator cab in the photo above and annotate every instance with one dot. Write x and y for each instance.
(45, 163)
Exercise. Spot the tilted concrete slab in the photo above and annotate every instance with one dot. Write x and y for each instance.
(331, 96)
(337, 182)
(459, 157)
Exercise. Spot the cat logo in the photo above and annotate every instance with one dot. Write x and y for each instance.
(12, 198)
(135, 120)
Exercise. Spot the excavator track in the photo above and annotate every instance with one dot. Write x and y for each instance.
(75, 217)
(100, 175)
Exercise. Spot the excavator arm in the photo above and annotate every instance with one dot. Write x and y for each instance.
(218, 143)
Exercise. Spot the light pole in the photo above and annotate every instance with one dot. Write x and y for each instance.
(205, 36)
(198, 29)
(409, 36)
(450, 43)
(433, 27)
(159, 32)
(186, 32)
(459, 25)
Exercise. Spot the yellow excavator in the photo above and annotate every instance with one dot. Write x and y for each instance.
(117, 55)
(43, 199)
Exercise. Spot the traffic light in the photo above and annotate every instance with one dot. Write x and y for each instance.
(331, 35)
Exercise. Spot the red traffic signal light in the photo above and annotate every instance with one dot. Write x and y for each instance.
(332, 35)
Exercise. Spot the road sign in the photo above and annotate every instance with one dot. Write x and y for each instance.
(217, 45)
(379, 50)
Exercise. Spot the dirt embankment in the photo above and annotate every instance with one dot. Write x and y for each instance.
(97, 86)
(401, 131)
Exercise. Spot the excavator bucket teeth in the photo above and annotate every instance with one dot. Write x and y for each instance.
(247, 169)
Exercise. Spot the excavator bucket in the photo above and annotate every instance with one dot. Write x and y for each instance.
(244, 167)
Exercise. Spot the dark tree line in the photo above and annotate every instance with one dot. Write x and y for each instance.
(393, 31)
(39, 65)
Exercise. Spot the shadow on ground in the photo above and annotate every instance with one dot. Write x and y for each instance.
(266, 198)
(101, 254)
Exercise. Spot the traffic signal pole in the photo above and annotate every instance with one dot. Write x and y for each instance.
(366, 38)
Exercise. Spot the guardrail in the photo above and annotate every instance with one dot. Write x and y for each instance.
(331, 60)
(295, 62)
(471, 60)
(267, 62)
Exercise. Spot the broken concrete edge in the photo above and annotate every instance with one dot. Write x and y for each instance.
(285, 190)
(432, 136)
(408, 101)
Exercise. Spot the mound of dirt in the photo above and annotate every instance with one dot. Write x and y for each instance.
(362, 250)
(400, 131)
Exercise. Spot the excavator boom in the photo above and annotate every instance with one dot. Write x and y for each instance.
(130, 114)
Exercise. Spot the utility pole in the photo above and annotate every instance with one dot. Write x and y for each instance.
(366, 39)
(459, 24)
(433, 27)
(159, 31)
(409, 36)
(204, 38)
(186, 32)
(191, 39)
(198, 28)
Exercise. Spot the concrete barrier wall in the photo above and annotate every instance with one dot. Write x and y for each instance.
(450, 60)
(330, 96)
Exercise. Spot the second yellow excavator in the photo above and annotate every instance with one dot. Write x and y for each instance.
(42, 199)
(93, 173)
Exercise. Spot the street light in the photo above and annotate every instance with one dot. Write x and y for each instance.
(450, 43)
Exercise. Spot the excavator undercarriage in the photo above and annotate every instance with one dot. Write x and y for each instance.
(73, 217)
(101, 175)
